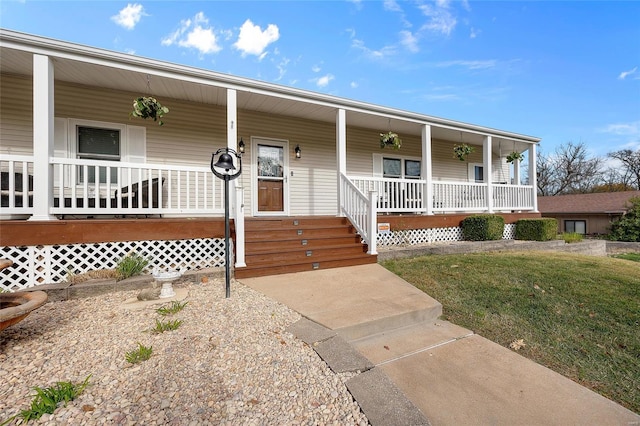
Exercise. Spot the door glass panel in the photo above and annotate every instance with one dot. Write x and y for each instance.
(270, 161)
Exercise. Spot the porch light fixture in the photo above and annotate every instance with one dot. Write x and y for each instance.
(241, 146)
(298, 151)
(226, 170)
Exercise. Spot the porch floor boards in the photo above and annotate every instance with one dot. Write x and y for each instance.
(282, 245)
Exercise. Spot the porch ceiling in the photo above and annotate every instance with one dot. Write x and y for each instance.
(122, 72)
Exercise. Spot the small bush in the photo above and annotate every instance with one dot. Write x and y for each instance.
(142, 353)
(162, 326)
(543, 229)
(130, 265)
(173, 308)
(483, 227)
(571, 237)
(46, 400)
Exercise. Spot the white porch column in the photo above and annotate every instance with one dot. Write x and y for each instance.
(43, 137)
(341, 152)
(236, 190)
(516, 173)
(427, 168)
(488, 173)
(533, 176)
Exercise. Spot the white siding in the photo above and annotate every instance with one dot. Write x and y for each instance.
(16, 115)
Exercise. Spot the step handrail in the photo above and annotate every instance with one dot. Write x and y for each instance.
(360, 210)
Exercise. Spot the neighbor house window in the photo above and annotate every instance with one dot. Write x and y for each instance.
(577, 226)
(98, 144)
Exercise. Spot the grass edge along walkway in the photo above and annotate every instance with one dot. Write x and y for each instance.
(578, 315)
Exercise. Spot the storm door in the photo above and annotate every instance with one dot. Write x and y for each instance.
(271, 175)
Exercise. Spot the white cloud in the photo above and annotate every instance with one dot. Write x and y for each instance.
(625, 74)
(195, 34)
(253, 41)
(623, 129)
(353, 85)
(316, 68)
(282, 68)
(392, 5)
(474, 33)
(371, 53)
(440, 19)
(472, 65)
(324, 80)
(410, 41)
(129, 16)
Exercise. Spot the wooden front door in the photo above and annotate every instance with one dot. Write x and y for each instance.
(272, 177)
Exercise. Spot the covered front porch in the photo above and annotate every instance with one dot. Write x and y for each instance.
(70, 151)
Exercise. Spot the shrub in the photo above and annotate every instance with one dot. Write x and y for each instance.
(130, 265)
(627, 228)
(543, 229)
(483, 227)
(142, 353)
(571, 237)
(45, 401)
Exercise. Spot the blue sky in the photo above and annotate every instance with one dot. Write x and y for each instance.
(562, 71)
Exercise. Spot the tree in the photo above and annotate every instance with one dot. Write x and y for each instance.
(628, 227)
(629, 173)
(568, 170)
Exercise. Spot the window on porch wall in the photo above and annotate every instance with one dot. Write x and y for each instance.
(98, 144)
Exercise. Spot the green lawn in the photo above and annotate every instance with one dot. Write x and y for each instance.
(578, 315)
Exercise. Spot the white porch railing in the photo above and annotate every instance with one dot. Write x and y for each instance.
(513, 197)
(16, 189)
(459, 196)
(134, 188)
(407, 195)
(394, 195)
(360, 210)
(112, 188)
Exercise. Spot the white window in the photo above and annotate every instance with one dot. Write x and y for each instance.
(96, 143)
(398, 167)
(476, 172)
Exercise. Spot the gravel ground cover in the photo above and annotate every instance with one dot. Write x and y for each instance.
(229, 363)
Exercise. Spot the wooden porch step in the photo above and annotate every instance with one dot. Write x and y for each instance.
(311, 254)
(262, 271)
(283, 245)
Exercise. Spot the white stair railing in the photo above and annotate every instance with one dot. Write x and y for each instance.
(361, 211)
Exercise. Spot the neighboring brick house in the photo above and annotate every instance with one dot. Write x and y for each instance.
(586, 213)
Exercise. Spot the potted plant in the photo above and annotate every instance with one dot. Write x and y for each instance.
(148, 107)
(462, 151)
(514, 156)
(390, 139)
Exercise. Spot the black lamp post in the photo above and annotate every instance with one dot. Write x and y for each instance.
(225, 170)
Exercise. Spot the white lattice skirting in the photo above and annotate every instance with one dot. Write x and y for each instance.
(410, 237)
(37, 265)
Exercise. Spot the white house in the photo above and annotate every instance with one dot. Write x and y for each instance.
(83, 183)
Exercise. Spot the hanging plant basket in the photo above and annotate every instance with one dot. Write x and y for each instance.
(462, 151)
(514, 156)
(391, 140)
(148, 107)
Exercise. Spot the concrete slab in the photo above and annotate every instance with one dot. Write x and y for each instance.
(341, 357)
(354, 301)
(387, 346)
(134, 304)
(476, 381)
(382, 402)
(310, 332)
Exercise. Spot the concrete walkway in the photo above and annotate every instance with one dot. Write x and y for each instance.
(416, 369)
